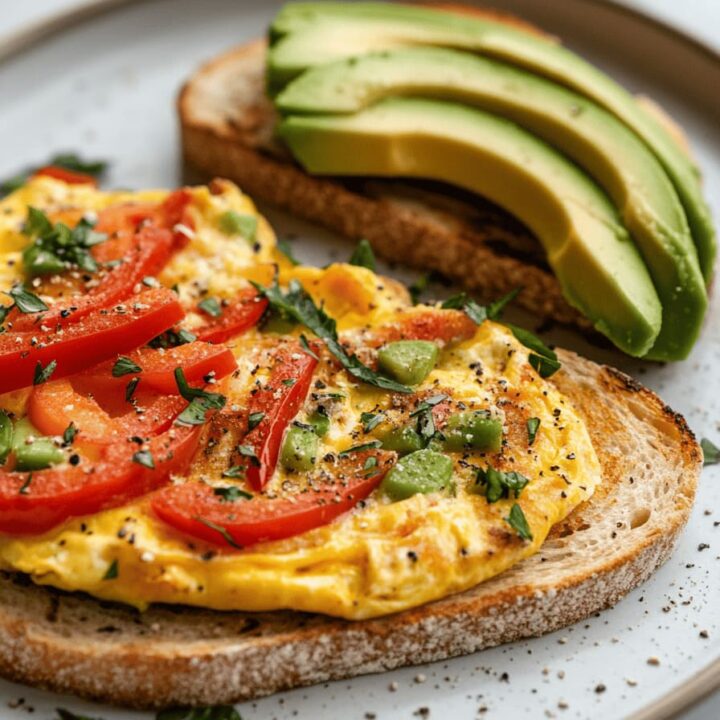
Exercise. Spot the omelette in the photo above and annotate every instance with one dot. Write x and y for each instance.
(413, 450)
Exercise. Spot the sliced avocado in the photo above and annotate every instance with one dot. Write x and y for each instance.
(312, 33)
(596, 140)
(599, 268)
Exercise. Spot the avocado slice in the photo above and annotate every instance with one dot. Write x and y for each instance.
(307, 34)
(598, 266)
(592, 137)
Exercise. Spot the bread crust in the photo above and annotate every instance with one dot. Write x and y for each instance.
(181, 656)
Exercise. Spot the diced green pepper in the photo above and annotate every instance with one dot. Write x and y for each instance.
(235, 223)
(299, 450)
(320, 423)
(42, 453)
(424, 471)
(475, 430)
(408, 361)
(6, 436)
(402, 440)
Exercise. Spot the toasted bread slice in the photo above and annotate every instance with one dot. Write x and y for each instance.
(227, 125)
(181, 656)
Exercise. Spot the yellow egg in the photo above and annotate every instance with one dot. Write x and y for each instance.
(381, 557)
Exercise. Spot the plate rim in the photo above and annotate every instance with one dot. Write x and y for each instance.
(705, 682)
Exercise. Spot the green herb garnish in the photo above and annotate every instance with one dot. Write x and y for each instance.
(219, 529)
(496, 484)
(418, 288)
(298, 305)
(69, 434)
(43, 374)
(210, 306)
(359, 448)
(496, 309)
(363, 256)
(112, 572)
(248, 451)
(231, 493)
(533, 424)
(518, 522)
(254, 419)
(125, 366)
(130, 388)
(25, 301)
(234, 472)
(144, 458)
(711, 452)
(371, 420)
(543, 359)
(201, 402)
(476, 312)
(284, 247)
(172, 338)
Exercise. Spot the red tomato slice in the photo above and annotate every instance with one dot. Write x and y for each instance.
(238, 315)
(52, 496)
(445, 326)
(197, 359)
(102, 416)
(194, 509)
(67, 176)
(152, 248)
(280, 400)
(103, 334)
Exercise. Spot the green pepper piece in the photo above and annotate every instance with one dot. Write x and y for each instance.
(402, 440)
(41, 454)
(408, 361)
(299, 450)
(424, 471)
(320, 423)
(235, 223)
(6, 436)
(475, 430)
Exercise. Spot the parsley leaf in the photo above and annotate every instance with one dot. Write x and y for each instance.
(201, 402)
(112, 572)
(371, 420)
(25, 301)
(248, 451)
(231, 493)
(711, 452)
(220, 529)
(533, 424)
(43, 374)
(144, 458)
(518, 522)
(125, 366)
(210, 306)
(359, 448)
(304, 345)
(543, 359)
(476, 312)
(495, 309)
(283, 246)
(130, 388)
(496, 484)
(69, 434)
(236, 471)
(363, 256)
(172, 338)
(254, 419)
(298, 305)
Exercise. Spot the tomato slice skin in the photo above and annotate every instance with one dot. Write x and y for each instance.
(238, 315)
(280, 400)
(197, 360)
(101, 415)
(195, 510)
(57, 494)
(97, 337)
(67, 176)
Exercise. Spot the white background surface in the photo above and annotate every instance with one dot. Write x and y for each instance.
(698, 17)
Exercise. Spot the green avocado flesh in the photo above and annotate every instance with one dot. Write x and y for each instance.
(598, 266)
(308, 34)
(585, 132)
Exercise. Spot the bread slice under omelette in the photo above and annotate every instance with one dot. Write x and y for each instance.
(607, 448)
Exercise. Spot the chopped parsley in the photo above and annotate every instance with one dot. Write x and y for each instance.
(303, 344)
(200, 402)
(363, 256)
(371, 420)
(219, 529)
(518, 522)
(112, 572)
(497, 485)
(234, 472)
(144, 458)
(542, 358)
(210, 306)
(254, 419)
(476, 312)
(69, 434)
(533, 425)
(55, 248)
(231, 493)
(25, 488)
(711, 452)
(130, 388)
(495, 309)
(125, 366)
(299, 306)
(43, 374)
(372, 445)
(248, 451)
(172, 338)
(25, 301)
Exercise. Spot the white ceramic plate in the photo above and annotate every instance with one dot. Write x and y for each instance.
(105, 85)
